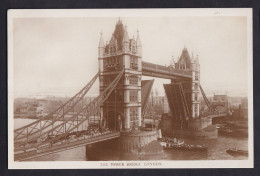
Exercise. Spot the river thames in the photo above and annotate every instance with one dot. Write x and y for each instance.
(216, 150)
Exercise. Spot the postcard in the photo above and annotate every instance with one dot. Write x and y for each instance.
(130, 88)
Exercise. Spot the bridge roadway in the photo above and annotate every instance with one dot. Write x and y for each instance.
(154, 70)
(61, 146)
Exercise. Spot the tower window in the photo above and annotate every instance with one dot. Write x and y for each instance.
(196, 110)
(133, 114)
(196, 97)
(196, 86)
(133, 63)
(196, 76)
(133, 80)
(120, 96)
(133, 95)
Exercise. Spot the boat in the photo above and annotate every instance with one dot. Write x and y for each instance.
(174, 144)
(173, 141)
(178, 144)
(237, 152)
(186, 147)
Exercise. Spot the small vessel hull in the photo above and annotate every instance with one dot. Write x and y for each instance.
(169, 144)
(186, 148)
(237, 152)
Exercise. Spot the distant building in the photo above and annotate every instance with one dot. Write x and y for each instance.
(220, 98)
(33, 108)
(158, 104)
(26, 109)
(244, 108)
(220, 103)
(42, 108)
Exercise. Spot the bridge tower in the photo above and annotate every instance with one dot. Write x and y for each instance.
(195, 69)
(190, 86)
(183, 96)
(122, 110)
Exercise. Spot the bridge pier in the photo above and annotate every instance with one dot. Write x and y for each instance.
(140, 145)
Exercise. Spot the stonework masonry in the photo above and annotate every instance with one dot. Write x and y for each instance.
(122, 110)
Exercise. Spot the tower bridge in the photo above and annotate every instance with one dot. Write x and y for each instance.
(121, 104)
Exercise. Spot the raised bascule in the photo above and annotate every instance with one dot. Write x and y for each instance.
(183, 98)
(121, 106)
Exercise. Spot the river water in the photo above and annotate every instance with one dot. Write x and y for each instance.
(216, 149)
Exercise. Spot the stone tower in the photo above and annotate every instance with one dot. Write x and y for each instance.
(122, 110)
(191, 87)
(195, 69)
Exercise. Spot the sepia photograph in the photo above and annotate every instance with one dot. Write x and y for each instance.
(130, 88)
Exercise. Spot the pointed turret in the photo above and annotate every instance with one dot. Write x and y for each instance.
(138, 45)
(192, 58)
(125, 40)
(192, 62)
(101, 46)
(197, 59)
(119, 21)
(172, 64)
(112, 39)
(197, 64)
(101, 41)
(125, 37)
(138, 41)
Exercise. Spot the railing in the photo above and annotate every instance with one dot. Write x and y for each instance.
(64, 145)
(36, 128)
(163, 69)
(61, 130)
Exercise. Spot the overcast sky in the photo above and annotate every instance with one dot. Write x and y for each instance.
(58, 56)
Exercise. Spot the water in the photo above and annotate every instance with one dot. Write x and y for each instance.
(216, 150)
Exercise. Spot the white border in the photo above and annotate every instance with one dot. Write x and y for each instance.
(25, 13)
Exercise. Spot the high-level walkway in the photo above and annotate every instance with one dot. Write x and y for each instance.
(159, 71)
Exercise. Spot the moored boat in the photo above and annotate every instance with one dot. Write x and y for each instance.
(187, 147)
(237, 152)
(169, 144)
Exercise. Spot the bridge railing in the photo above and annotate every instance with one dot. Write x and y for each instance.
(164, 69)
(61, 130)
(65, 144)
(35, 128)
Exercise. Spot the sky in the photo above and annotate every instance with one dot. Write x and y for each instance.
(58, 56)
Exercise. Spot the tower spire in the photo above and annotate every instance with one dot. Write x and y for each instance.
(138, 44)
(192, 58)
(197, 58)
(101, 41)
(126, 37)
(138, 41)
